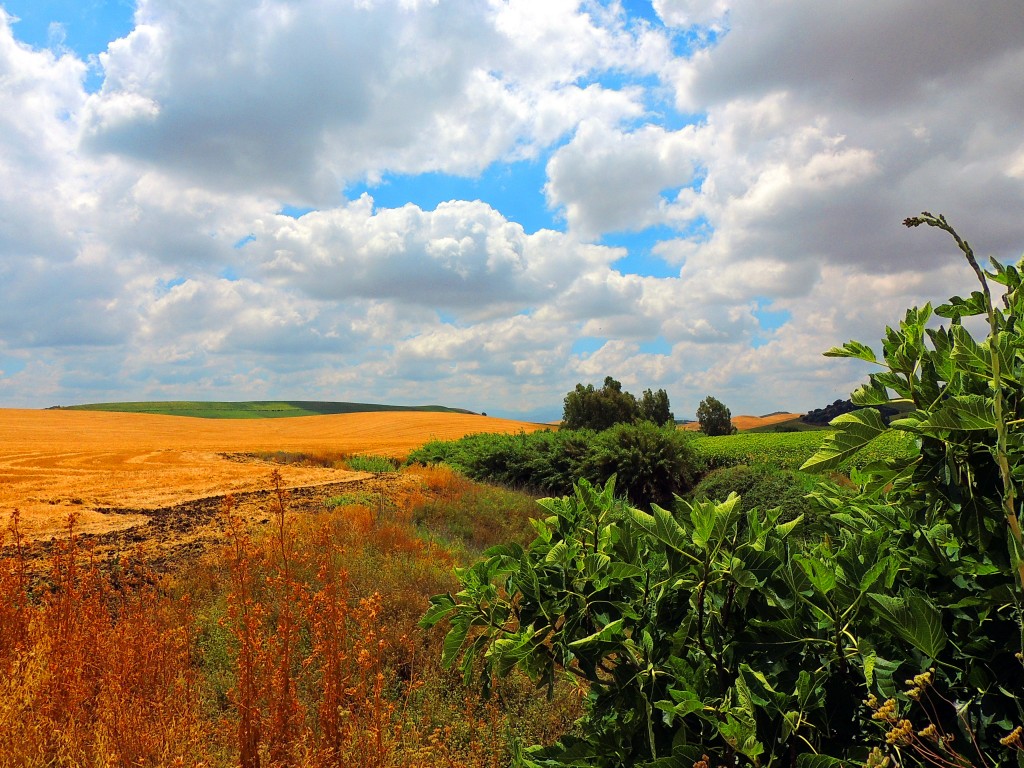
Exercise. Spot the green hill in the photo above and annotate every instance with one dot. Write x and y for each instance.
(253, 409)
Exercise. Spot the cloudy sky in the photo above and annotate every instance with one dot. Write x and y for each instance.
(480, 203)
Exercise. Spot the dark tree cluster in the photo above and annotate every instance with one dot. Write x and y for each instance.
(823, 416)
(587, 407)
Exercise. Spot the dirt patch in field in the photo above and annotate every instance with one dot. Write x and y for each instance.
(117, 471)
(165, 537)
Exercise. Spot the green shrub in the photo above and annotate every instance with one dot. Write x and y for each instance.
(766, 487)
(651, 462)
(369, 463)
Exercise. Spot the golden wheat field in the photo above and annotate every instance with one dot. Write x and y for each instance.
(111, 468)
(750, 422)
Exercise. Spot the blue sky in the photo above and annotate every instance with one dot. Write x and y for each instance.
(480, 204)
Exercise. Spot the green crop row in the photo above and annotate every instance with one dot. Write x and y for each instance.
(789, 450)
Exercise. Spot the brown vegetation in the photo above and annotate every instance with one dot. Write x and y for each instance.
(290, 643)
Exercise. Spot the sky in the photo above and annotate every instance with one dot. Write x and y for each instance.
(479, 203)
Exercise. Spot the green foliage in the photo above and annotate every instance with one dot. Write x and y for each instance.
(765, 486)
(545, 461)
(950, 511)
(370, 463)
(790, 450)
(653, 462)
(715, 419)
(699, 631)
(706, 630)
(597, 409)
(654, 407)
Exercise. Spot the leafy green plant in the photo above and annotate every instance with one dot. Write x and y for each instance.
(766, 487)
(951, 510)
(370, 463)
(704, 631)
(700, 632)
(792, 449)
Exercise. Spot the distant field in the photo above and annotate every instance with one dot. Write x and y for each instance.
(750, 422)
(253, 409)
(53, 462)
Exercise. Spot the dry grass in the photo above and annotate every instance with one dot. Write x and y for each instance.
(291, 643)
(56, 462)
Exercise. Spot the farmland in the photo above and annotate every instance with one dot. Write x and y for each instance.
(54, 462)
(789, 450)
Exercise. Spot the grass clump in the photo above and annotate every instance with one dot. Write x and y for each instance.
(372, 463)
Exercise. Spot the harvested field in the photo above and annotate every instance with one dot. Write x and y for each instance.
(121, 471)
(750, 422)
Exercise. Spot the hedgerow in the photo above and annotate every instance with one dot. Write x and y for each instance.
(652, 463)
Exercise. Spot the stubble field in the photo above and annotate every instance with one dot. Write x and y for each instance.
(122, 472)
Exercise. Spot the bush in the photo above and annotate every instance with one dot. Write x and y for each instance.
(766, 487)
(368, 463)
(651, 462)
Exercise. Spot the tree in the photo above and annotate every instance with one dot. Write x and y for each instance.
(715, 419)
(598, 409)
(654, 408)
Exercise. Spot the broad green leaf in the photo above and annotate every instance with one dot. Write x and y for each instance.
(964, 412)
(595, 563)
(854, 431)
(822, 761)
(511, 551)
(958, 307)
(618, 571)
(758, 687)
(872, 393)
(662, 526)
(784, 529)
(559, 553)
(916, 620)
(453, 642)
(440, 606)
(702, 515)
(819, 573)
(607, 632)
(873, 573)
(853, 349)
(968, 354)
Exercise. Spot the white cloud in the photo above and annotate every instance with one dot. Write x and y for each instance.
(142, 253)
(298, 99)
(463, 257)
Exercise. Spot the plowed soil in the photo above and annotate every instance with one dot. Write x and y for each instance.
(160, 479)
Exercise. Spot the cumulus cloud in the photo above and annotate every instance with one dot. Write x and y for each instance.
(298, 99)
(773, 149)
